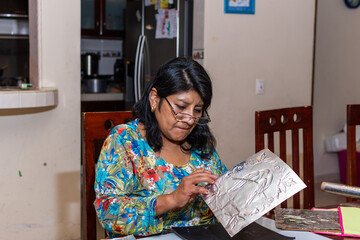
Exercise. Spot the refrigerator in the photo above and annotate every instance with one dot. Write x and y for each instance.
(145, 46)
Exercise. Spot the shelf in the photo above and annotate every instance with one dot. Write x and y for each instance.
(92, 97)
(14, 98)
(10, 36)
(13, 15)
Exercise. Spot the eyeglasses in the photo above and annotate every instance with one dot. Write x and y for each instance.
(184, 117)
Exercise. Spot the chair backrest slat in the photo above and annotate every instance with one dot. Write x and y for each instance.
(282, 140)
(295, 151)
(271, 141)
(309, 165)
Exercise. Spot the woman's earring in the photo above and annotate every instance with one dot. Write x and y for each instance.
(152, 109)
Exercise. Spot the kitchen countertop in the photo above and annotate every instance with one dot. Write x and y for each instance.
(88, 97)
(16, 98)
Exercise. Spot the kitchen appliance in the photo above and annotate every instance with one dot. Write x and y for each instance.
(2, 69)
(146, 52)
(119, 71)
(89, 65)
(96, 85)
(92, 82)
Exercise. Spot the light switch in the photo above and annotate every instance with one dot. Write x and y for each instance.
(260, 86)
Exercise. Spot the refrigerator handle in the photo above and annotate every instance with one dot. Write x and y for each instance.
(147, 73)
(141, 69)
(137, 67)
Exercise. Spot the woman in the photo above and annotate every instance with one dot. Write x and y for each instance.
(150, 171)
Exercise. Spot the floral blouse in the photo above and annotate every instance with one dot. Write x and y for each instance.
(130, 176)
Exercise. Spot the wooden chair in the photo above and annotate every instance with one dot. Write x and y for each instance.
(352, 119)
(96, 127)
(278, 122)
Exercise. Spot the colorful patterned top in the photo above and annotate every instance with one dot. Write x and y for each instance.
(130, 176)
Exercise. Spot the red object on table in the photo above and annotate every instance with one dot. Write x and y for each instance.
(342, 166)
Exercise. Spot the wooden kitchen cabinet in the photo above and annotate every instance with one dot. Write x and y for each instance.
(102, 18)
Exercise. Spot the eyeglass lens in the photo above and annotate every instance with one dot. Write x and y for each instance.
(187, 117)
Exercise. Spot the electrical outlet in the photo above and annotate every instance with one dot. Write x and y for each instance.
(260, 86)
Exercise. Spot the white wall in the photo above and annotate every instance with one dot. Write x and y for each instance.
(40, 148)
(337, 74)
(276, 44)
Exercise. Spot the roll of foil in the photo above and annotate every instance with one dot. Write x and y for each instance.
(250, 189)
(341, 189)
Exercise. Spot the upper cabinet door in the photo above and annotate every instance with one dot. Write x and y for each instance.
(90, 17)
(114, 16)
(102, 18)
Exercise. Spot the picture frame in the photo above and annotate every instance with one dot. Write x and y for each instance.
(239, 6)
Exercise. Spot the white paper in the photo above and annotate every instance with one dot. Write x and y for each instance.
(239, 3)
(166, 23)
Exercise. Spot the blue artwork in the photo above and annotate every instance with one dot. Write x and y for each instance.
(239, 6)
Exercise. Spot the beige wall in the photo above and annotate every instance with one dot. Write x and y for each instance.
(44, 144)
(337, 74)
(275, 44)
(198, 27)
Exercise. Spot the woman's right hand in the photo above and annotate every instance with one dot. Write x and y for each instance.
(187, 190)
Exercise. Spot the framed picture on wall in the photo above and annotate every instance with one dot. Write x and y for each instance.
(239, 6)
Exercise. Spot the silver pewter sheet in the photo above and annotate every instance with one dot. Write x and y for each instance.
(251, 189)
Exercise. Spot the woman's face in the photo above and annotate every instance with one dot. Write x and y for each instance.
(188, 102)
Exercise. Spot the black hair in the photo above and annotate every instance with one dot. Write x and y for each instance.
(176, 76)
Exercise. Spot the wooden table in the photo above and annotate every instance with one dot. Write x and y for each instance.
(268, 223)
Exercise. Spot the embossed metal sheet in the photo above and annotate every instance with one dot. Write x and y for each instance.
(250, 189)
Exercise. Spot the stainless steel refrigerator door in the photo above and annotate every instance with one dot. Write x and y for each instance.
(142, 68)
(159, 50)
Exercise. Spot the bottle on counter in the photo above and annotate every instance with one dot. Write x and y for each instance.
(119, 71)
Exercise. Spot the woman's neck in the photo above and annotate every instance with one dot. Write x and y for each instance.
(170, 151)
(174, 154)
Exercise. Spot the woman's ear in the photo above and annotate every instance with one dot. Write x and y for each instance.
(154, 99)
